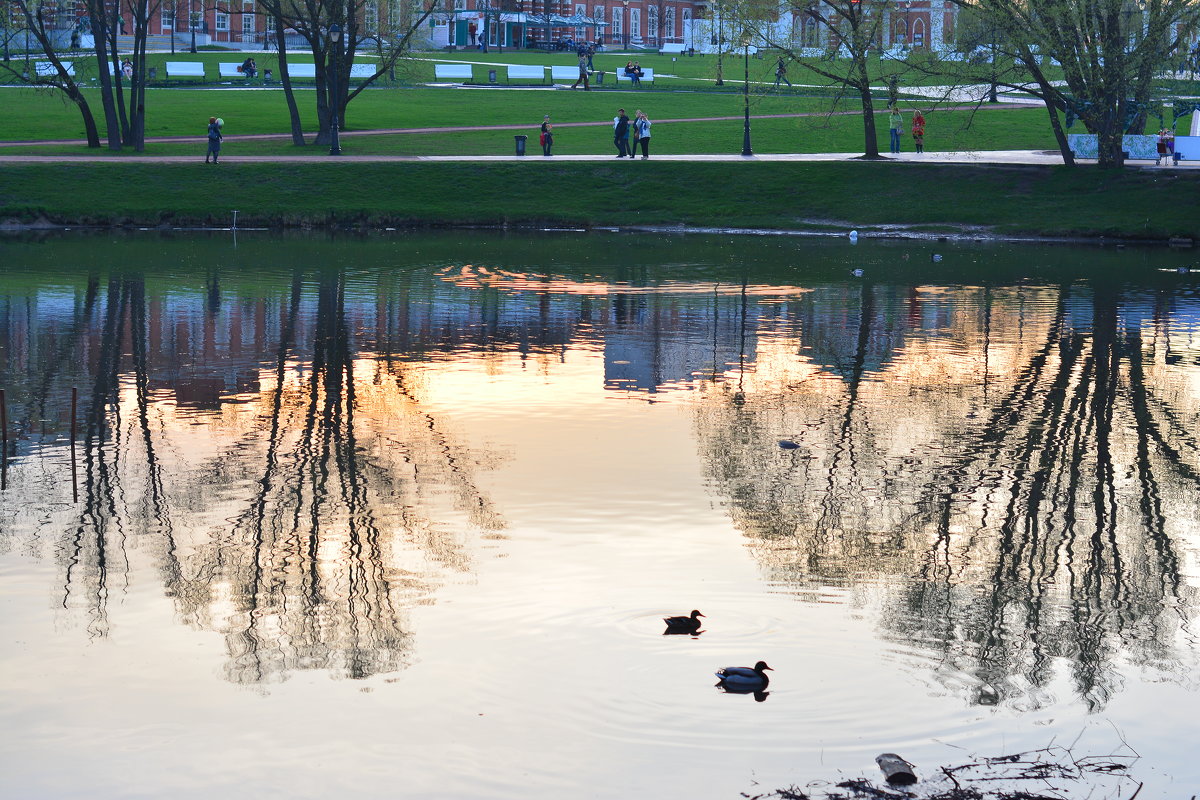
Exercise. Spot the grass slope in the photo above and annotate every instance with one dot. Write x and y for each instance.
(1035, 200)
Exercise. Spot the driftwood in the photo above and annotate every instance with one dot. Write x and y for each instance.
(1052, 773)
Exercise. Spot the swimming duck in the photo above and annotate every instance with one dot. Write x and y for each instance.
(745, 679)
(683, 624)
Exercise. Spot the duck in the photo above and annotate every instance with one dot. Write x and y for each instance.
(689, 624)
(744, 679)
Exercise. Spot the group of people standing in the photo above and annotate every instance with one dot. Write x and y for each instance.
(896, 129)
(628, 134)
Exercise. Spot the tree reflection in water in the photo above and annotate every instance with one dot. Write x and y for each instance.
(1037, 503)
(310, 528)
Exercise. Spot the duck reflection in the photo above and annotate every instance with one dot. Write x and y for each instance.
(1024, 496)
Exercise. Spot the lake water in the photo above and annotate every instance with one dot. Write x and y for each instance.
(400, 515)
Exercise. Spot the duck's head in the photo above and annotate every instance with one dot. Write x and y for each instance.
(696, 613)
(761, 666)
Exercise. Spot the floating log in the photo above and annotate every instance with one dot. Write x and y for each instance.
(897, 771)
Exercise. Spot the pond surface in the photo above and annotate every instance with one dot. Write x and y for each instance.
(400, 516)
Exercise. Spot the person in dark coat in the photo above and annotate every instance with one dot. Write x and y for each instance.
(214, 140)
(621, 134)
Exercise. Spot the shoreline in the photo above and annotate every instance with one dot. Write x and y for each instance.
(879, 200)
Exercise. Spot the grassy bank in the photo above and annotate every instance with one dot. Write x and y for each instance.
(1052, 201)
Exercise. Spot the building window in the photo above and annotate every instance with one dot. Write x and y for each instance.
(168, 19)
(247, 24)
(652, 22)
(222, 21)
(635, 23)
(669, 24)
(617, 28)
(918, 33)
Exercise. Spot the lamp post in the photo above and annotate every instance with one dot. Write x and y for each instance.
(907, 25)
(625, 22)
(746, 151)
(335, 39)
(192, 26)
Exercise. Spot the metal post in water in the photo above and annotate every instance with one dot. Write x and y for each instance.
(3, 441)
(235, 219)
(74, 477)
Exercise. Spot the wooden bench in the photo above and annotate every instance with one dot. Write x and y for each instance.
(45, 69)
(647, 76)
(185, 69)
(672, 47)
(528, 72)
(561, 74)
(452, 72)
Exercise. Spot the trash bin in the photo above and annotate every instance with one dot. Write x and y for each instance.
(153, 73)
(491, 76)
(600, 76)
(521, 143)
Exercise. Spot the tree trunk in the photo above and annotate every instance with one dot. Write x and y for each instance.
(1060, 135)
(288, 94)
(89, 121)
(870, 137)
(100, 38)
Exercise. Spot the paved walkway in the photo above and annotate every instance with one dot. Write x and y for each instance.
(999, 157)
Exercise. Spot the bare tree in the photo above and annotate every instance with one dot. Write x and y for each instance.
(852, 29)
(1108, 50)
(40, 19)
(333, 48)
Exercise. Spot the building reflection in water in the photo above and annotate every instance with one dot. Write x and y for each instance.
(1015, 466)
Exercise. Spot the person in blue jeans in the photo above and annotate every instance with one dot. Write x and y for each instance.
(895, 126)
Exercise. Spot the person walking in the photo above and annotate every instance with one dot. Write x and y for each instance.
(583, 71)
(621, 133)
(918, 130)
(895, 125)
(591, 51)
(547, 137)
(781, 73)
(1161, 146)
(214, 139)
(643, 131)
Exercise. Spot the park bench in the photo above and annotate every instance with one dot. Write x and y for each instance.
(561, 74)
(455, 72)
(527, 72)
(230, 70)
(45, 69)
(362, 71)
(672, 47)
(302, 71)
(185, 69)
(647, 76)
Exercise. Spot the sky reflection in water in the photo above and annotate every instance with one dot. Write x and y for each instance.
(373, 505)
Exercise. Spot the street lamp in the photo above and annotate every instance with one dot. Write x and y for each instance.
(335, 38)
(746, 151)
(192, 26)
(907, 26)
(625, 22)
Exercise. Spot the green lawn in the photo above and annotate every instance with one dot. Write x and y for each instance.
(1037, 200)
(182, 112)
